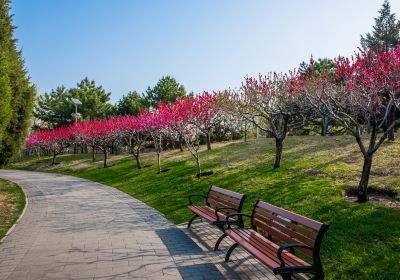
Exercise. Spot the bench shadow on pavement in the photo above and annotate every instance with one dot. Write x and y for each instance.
(191, 261)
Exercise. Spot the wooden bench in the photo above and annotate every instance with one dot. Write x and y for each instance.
(218, 203)
(284, 241)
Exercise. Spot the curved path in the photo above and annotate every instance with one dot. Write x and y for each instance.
(77, 229)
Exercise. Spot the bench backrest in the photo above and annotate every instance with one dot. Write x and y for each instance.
(218, 197)
(284, 226)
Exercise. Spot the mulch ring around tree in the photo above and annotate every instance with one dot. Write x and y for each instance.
(203, 174)
(162, 171)
(377, 195)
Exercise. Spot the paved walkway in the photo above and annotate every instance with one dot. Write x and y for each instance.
(77, 229)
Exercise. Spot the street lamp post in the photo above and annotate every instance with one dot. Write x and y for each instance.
(76, 103)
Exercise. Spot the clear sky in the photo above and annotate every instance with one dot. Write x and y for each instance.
(206, 45)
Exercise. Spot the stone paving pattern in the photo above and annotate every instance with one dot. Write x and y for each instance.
(77, 229)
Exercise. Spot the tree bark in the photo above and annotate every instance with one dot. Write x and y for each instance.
(363, 185)
(137, 158)
(208, 139)
(158, 162)
(198, 165)
(278, 152)
(105, 157)
(93, 153)
(324, 125)
(391, 119)
(180, 144)
(54, 159)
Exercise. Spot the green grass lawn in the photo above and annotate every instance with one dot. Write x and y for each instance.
(12, 202)
(363, 241)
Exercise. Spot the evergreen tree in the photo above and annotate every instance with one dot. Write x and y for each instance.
(166, 90)
(55, 109)
(95, 100)
(17, 107)
(5, 89)
(386, 32)
(385, 35)
(131, 104)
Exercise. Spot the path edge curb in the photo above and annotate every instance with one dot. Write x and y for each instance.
(20, 216)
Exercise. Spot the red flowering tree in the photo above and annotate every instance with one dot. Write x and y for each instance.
(364, 92)
(97, 135)
(156, 124)
(271, 103)
(33, 144)
(84, 134)
(54, 141)
(132, 131)
(184, 122)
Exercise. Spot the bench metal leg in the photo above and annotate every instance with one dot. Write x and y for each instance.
(318, 276)
(191, 220)
(228, 254)
(219, 241)
(287, 276)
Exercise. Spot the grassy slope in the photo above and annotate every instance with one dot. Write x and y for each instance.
(12, 202)
(363, 241)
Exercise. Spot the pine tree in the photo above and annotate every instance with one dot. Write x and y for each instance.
(166, 90)
(385, 35)
(18, 105)
(386, 32)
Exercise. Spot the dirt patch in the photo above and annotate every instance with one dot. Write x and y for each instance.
(383, 196)
(204, 174)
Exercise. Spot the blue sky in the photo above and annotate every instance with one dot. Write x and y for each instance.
(206, 45)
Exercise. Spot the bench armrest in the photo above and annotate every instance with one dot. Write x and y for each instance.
(240, 219)
(287, 246)
(218, 209)
(195, 195)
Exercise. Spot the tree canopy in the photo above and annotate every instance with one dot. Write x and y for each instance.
(167, 90)
(385, 33)
(129, 104)
(55, 109)
(17, 91)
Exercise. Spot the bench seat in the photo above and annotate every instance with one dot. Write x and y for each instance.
(208, 213)
(262, 248)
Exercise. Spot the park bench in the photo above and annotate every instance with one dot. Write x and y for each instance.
(218, 203)
(284, 241)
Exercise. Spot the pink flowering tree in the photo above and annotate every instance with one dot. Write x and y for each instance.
(156, 124)
(271, 103)
(132, 131)
(105, 133)
(84, 133)
(33, 144)
(184, 122)
(55, 141)
(97, 135)
(207, 114)
(362, 95)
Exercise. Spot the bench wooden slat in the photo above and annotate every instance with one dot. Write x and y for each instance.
(227, 192)
(288, 231)
(207, 213)
(270, 248)
(224, 197)
(265, 253)
(221, 203)
(290, 215)
(310, 233)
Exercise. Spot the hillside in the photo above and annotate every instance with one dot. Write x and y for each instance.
(314, 173)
